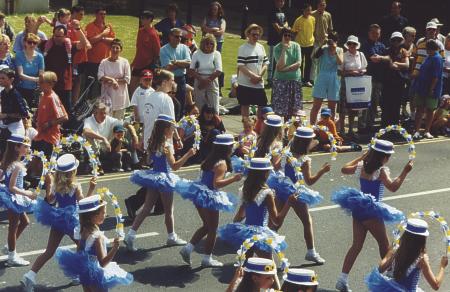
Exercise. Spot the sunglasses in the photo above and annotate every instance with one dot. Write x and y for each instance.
(177, 36)
(287, 35)
(32, 43)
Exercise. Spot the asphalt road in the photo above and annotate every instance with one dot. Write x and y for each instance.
(158, 268)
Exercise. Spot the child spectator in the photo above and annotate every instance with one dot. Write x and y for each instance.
(210, 126)
(30, 132)
(247, 136)
(324, 141)
(139, 101)
(120, 156)
(186, 132)
(441, 120)
(299, 120)
(62, 19)
(261, 117)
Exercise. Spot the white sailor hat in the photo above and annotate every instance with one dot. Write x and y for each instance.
(304, 132)
(417, 226)
(224, 139)
(19, 139)
(90, 204)
(260, 266)
(383, 146)
(274, 121)
(260, 164)
(66, 163)
(301, 277)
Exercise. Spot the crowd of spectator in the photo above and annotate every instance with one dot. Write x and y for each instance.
(43, 78)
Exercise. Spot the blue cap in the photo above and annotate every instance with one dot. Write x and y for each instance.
(260, 164)
(118, 128)
(383, 146)
(90, 204)
(165, 118)
(325, 112)
(305, 132)
(267, 110)
(224, 139)
(260, 266)
(19, 139)
(274, 121)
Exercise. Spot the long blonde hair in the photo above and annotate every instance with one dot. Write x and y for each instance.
(65, 182)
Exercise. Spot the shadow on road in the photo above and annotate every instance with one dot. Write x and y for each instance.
(167, 276)
(37, 288)
(224, 274)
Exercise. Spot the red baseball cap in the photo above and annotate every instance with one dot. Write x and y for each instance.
(147, 74)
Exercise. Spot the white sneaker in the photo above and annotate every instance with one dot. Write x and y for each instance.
(223, 110)
(417, 136)
(342, 286)
(175, 241)
(17, 262)
(207, 263)
(75, 281)
(428, 135)
(5, 249)
(129, 243)
(27, 284)
(314, 257)
(186, 255)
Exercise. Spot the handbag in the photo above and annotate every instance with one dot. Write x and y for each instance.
(358, 92)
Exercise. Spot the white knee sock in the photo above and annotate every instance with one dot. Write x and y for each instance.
(189, 247)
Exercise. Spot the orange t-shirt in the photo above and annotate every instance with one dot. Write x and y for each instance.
(50, 108)
(80, 56)
(99, 50)
(147, 48)
(331, 127)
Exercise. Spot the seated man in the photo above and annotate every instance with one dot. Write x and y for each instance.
(98, 130)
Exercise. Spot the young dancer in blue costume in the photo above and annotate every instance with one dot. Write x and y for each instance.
(92, 263)
(159, 181)
(58, 211)
(258, 274)
(208, 199)
(13, 197)
(400, 270)
(257, 208)
(368, 212)
(284, 187)
(271, 138)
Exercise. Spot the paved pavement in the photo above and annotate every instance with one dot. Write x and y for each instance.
(159, 268)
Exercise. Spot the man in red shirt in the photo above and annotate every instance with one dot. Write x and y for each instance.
(50, 115)
(147, 48)
(100, 35)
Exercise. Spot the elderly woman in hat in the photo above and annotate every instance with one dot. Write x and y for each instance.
(353, 65)
(287, 94)
(394, 81)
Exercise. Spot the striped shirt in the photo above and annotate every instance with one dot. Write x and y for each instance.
(254, 58)
(420, 53)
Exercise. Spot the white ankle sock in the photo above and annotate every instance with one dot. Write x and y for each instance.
(31, 275)
(11, 254)
(132, 233)
(344, 277)
(189, 247)
(207, 257)
(172, 235)
(312, 251)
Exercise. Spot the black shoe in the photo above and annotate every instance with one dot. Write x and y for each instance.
(130, 211)
(356, 147)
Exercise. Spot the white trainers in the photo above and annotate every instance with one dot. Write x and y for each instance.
(210, 262)
(175, 241)
(129, 243)
(417, 136)
(314, 257)
(342, 286)
(428, 135)
(17, 262)
(186, 255)
(27, 284)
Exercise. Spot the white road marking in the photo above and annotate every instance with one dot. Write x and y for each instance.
(71, 246)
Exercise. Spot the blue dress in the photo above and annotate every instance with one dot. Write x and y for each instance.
(366, 204)
(17, 203)
(204, 195)
(284, 185)
(256, 220)
(84, 265)
(160, 178)
(64, 217)
(376, 281)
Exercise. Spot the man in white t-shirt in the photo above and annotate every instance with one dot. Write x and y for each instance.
(140, 95)
(98, 130)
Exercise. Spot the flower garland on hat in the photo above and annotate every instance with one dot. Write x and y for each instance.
(403, 133)
(197, 133)
(433, 216)
(104, 192)
(45, 166)
(248, 244)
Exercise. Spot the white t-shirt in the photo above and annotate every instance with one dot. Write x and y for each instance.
(254, 58)
(104, 129)
(31, 133)
(353, 62)
(447, 62)
(138, 100)
(155, 104)
(206, 64)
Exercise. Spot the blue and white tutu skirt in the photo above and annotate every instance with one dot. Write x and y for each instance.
(364, 206)
(160, 181)
(238, 165)
(284, 187)
(204, 197)
(86, 267)
(17, 203)
(376, 282)
(64, 220)
(236, 233)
